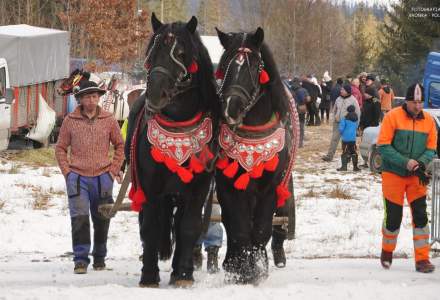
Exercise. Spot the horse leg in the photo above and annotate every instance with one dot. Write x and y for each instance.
(188, 229)
(262, 231)
(150, 237)
(236, 215)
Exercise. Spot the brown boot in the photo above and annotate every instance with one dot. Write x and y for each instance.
(386, 259)
(424, 266)
(197, 257)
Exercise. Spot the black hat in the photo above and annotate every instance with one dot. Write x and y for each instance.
(347, 88)
(371, 77)
(414, 92)
(87, 87)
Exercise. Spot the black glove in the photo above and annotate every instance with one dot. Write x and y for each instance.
(420, 172)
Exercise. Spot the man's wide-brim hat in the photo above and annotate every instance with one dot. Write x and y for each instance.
(87, 87)
(414, 93)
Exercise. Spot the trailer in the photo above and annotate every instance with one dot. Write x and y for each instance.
(33, 63)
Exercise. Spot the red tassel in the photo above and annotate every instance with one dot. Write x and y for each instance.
(283, 194)
(271, 165)
(138, 199)
(131, 193)
(157, 155)
(219, 74)
(205, 155)
(231, 170)
(185, 175)
(242, 182)
(193, 68)
(171, 164)
(196, 165)
(222, 163)
(264, 77)
(257, 171)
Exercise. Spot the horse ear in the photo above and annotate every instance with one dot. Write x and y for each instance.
(155, 22)
(192, 24)
(258, 37)
(223, 37)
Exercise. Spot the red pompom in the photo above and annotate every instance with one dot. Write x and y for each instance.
(157, 155)
(185, 175)
(231, 170)
(242, 182)
(219, 74)
(196, 165)
(271, 165)
(257, 171)
(264, 77)
(193, 68)
(222, 163)
(283, 194)
(171, 163)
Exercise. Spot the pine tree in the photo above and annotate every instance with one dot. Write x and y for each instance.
(406, 42)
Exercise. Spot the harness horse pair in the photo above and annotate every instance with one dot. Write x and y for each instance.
(182, 126)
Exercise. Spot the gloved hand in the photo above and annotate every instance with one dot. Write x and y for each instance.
(420, 172)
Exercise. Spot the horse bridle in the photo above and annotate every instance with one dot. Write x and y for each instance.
(246, 99)
(182, 83)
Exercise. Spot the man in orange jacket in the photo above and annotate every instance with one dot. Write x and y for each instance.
(407, 143)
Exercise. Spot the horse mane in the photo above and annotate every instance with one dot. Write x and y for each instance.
(205, 74)
(275, 87)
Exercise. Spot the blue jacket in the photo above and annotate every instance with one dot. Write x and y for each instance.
(348, 129)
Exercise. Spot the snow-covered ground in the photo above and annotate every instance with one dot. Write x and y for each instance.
(334, 255)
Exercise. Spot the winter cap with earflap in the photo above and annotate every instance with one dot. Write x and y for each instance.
(347, 88)
(87, 87)
(326, 77)
(414, 93)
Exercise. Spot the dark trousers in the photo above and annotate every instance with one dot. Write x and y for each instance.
(85, 195)
(313, 112)
(349, 148)
(326, 112)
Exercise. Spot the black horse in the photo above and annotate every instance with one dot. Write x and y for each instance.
(169, 143)
(256, 161)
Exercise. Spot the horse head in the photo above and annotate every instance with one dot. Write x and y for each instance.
(248, 73)
(177, 64)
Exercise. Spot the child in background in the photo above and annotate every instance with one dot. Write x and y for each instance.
(348, 127)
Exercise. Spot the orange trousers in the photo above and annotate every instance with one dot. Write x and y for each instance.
(395, 188)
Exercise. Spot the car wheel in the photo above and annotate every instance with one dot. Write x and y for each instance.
(375, 161)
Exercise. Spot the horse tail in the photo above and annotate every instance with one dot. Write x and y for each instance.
(166, 235)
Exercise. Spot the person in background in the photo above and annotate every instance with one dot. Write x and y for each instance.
(347, 128)
(326, 87)
(386, 96)
(407, 144)
(338, 112)
(370, 116)
(335, 92)
(301, 97)
(88, 131)
(212, 241)
(356, 92)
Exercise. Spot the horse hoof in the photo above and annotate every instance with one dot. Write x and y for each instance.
(184, 283)
(149, 285)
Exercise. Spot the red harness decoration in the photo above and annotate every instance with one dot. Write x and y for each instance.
(253, 155)
(175, 148)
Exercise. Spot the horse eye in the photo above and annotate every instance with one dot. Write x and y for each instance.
(180, 54)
